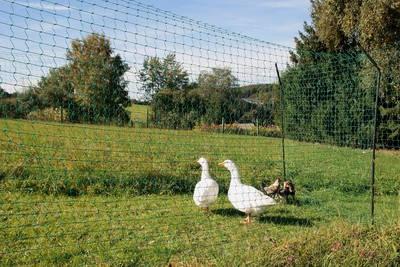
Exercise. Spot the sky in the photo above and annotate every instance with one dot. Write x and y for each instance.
(276, 21)
(35, 35)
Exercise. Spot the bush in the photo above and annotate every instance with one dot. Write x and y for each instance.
(8, 109)
(47, 114)
(177, 109)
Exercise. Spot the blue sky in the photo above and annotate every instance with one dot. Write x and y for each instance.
(35, 35)
(276, 21)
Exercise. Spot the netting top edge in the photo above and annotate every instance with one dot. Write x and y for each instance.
(220, 29)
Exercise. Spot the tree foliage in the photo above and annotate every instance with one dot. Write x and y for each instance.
(4, 93)
(339, 26)
(8, 105)
(91, 87)
(216, 95)
(217, 87)
(373, 23)
(158, 74)
(97, 79)
(55, 89)
(329, 101)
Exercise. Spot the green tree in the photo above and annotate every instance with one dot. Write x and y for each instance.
(339, 26)
(217, 86)
(178, 108)
(8, 107)
(97, 79)
(217, 79)
(158, 74)
(373, 23)
(329, 100)
(4, 93)
(90, 87)
(29, 100)
(55, 90)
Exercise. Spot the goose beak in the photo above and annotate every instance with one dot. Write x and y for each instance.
(221, 164)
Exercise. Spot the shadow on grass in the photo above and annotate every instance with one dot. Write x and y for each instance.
(286, 220)
(228, 212)
(281, 220)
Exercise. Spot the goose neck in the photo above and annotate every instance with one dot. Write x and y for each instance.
(235, 178)
(205, 174)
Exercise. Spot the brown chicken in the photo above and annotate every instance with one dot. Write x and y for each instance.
(288, 190)
(273, 189)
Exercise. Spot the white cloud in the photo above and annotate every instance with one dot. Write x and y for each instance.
(44, 6)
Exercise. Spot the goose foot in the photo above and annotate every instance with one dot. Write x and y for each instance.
(247, 220)
(206, 209)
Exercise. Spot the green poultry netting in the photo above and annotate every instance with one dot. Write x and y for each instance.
(106, 107)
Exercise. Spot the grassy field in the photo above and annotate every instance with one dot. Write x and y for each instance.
(139, 113)
(82, 194)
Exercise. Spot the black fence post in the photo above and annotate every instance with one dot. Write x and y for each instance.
(375, 131)
(282, 120)
(223, 125)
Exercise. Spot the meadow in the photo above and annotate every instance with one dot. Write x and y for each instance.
(139, 113)
(88, 194)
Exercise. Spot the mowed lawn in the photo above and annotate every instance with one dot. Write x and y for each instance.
(82, 194)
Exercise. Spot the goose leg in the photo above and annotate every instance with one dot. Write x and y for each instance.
(247, 220)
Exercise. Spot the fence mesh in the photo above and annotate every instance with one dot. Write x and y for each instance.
(106, 106)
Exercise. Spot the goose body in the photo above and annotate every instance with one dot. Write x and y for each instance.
(248, 199)
(206, 190)
(243, 197)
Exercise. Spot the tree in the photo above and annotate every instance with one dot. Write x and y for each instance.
(306, 42)
(8, 107)
(373, 23)
(178, 108)
(29, 100)
(97, 79)
(329, 100)
(158, 74)
(55, 90)
(4, 93)
(222, 101)
(90, 87)
(339, 26)
(219, 79)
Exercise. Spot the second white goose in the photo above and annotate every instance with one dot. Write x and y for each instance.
(243, 197)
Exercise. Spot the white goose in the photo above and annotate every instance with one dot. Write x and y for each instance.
(243, 197)
(206, 191)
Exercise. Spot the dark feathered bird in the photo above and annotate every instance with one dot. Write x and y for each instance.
(288, 190)
(273, 189)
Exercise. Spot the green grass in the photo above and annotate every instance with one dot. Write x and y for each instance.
(81, 194)
(139, 113)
